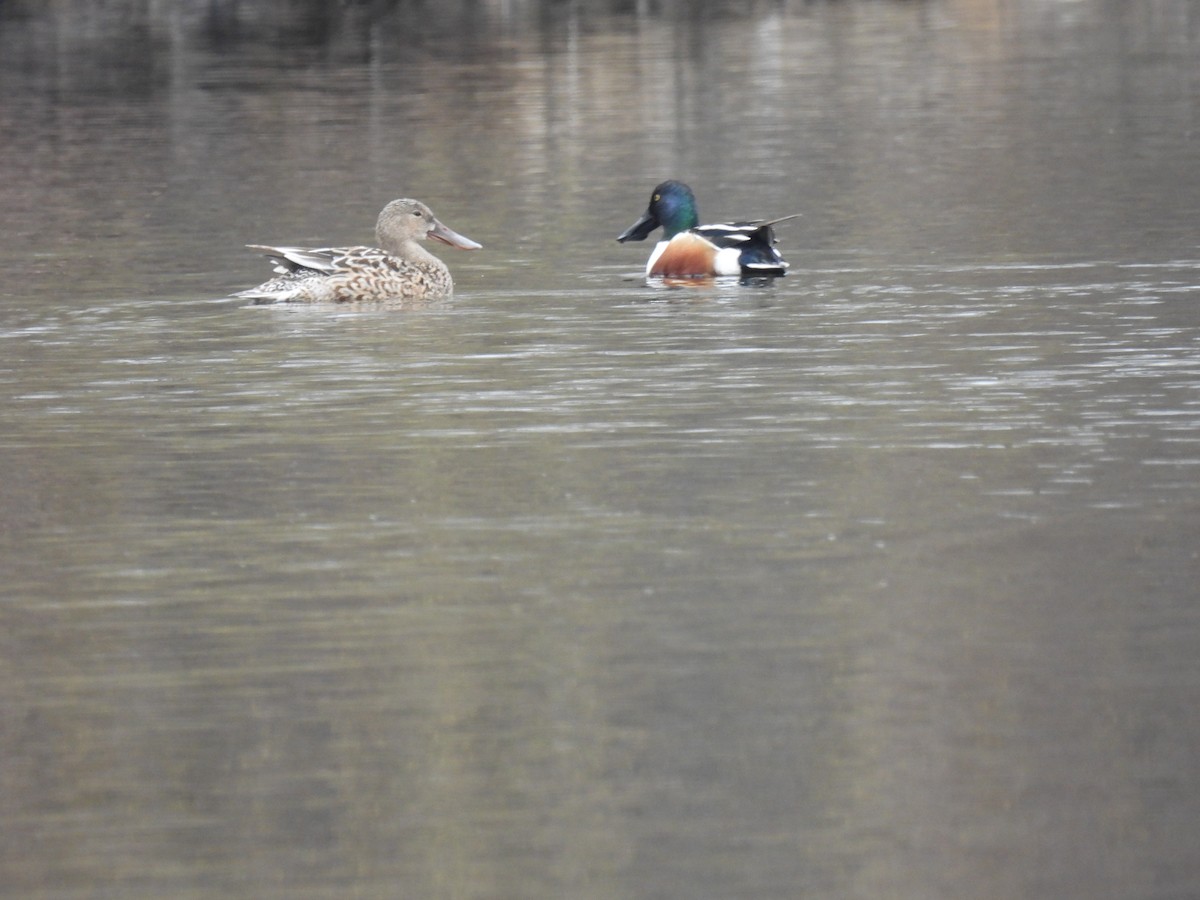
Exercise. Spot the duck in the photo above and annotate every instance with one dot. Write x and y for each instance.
(691, 250)
(398, 268)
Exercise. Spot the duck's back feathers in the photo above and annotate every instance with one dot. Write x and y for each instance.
(736, 248)
(289, 260)
(343, 274)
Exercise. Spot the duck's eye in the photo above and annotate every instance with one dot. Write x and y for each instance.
(657, 197)
(417, 213)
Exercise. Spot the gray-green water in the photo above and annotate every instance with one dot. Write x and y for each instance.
(875, 581)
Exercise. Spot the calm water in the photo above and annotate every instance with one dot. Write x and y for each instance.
(875, 581)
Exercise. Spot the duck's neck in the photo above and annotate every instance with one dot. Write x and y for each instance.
(678, 216)
(413, 252)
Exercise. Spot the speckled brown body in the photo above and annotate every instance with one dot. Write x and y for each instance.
(399, 269)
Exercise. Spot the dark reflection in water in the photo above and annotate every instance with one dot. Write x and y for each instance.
(876, 580)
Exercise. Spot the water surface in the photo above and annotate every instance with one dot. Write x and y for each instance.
(877, 580)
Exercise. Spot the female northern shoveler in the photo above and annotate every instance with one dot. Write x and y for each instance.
(689, 249)
(398, 269)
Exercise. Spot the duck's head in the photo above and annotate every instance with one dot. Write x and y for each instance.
(672, 205)
(406, 220)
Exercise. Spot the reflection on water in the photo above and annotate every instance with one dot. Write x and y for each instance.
(876, 580)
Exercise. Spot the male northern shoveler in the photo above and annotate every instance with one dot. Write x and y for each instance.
(689, 249)
(398, 269)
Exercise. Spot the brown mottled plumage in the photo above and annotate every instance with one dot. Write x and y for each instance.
(398, 269)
